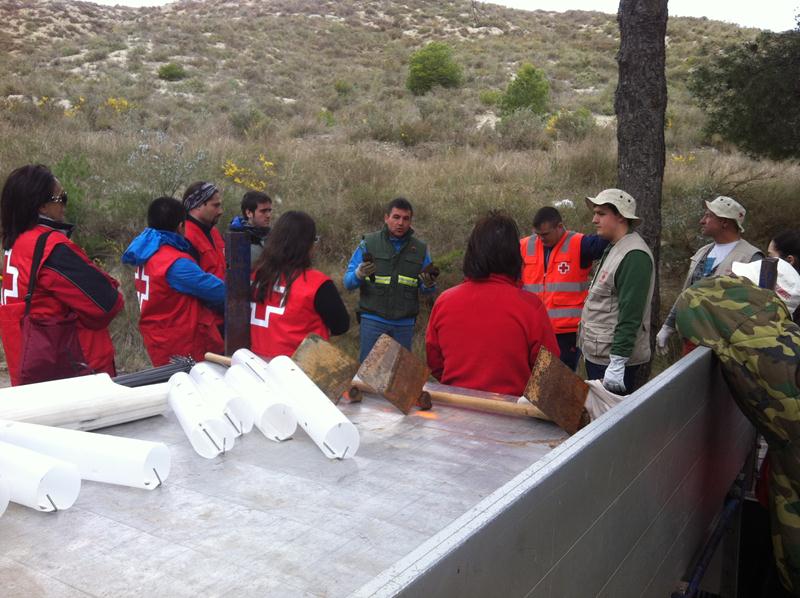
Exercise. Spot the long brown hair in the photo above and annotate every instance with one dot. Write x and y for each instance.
(286, 256)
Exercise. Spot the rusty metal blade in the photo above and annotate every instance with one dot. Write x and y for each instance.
(394, 372)
(329, 367)
(558, 392)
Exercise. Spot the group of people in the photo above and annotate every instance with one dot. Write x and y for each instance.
(517, 295)
(573, 294)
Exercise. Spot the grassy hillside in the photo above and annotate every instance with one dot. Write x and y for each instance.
(318, 89)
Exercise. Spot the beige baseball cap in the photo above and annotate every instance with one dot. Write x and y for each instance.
(787, 287)
(618, 198)
(727, 207)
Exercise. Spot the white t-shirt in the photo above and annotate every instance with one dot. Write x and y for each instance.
(718, 253)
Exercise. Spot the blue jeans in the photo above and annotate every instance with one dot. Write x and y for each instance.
(595, 371)
(371, 330)
(569, 352)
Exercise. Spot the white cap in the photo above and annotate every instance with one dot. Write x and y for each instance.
(727, 207)
(787, 287)
(618, 198)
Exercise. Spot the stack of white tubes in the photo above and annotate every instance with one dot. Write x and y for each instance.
(273, 396)
(41, 467)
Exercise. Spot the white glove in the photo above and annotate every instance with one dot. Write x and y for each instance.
(365, 269)
(662, 338)
(613, 379)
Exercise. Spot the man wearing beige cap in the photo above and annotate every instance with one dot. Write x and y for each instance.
(723, 221)
(614, 333)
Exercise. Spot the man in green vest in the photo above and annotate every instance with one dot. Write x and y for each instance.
(614, 333)
(389, 266)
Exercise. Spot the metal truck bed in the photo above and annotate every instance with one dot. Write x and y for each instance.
(270, 519)
(451, 503)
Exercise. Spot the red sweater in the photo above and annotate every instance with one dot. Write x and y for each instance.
(485, 334)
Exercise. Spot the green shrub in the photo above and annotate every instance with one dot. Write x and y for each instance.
(522, 129)
(490, 97)
(433, 65)
(571, 125)
(248, 122)
(172, 71)
(326, 117)
(342, 87)
(529, 90)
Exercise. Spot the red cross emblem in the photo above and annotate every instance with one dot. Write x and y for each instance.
(563, 268)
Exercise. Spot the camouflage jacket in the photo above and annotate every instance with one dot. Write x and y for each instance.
(751, 331)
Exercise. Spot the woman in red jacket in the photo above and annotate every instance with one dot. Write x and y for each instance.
(486, 332)
(69, 289)
(290, 299)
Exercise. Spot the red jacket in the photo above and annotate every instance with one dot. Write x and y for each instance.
(210, 248)
(564, 286)
(172, 323)
(485, 334)
(277, 329)
(67, 282)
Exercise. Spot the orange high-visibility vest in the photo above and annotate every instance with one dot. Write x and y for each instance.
(564, 286)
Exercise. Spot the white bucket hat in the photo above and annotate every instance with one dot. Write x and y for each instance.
(618, 198)
(727, 207)
(787, 287)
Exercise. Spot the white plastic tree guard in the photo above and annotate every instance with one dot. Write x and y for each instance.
(207, 432)
(273, 416)
(99, 457)
(39, 481)
(333, 433)
(210, 379)
(85, 402)
(5, 495)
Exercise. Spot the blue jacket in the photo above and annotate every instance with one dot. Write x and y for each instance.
(184, 276)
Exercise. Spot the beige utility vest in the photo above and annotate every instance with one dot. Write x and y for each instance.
(601, 310)
(741, 252)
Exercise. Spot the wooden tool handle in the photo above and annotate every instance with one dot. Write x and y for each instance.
(489, 405)
(452, 396)
(218, 359)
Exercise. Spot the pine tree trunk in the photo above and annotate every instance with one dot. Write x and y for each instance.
(640, 104)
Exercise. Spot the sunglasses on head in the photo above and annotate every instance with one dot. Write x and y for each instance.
(60, 198)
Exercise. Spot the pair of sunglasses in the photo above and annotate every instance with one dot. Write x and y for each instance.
(60, 198)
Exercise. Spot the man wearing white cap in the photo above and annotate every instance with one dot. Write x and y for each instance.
(614, 334)
(723, 221)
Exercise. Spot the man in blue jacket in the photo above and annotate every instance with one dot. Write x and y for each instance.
(177, 299)
(390, 267)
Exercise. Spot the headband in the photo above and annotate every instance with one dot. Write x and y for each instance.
(200, 196)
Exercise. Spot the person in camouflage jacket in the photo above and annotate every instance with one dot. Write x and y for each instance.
(752, 333)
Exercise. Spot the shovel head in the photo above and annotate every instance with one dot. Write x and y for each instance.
(558, 392)
(329, 367)
(394, 372)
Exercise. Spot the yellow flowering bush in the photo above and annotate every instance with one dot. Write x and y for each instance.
(75, 108)
(249, 178)
(683, 158)
(119, 105)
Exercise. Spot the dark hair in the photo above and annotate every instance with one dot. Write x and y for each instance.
(401, 203)
(26, 190)
(165, 213)
(493, 248)
(286, 255)
(252, 199)
(547, 214)
(609, 206)
(788, 243)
